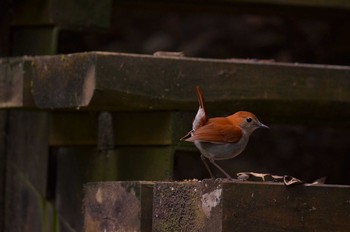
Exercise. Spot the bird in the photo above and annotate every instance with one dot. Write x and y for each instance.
(221, 138)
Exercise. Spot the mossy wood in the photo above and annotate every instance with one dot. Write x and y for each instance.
(219, 206)
(114, 81)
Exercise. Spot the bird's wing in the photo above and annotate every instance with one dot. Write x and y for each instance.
(217, 130)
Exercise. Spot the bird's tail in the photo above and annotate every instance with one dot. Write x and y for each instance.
(201, 116)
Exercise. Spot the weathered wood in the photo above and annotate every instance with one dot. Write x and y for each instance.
(250, 206)
(274, 207)
(187, 206)
(65, 14)
(14, 84)
(110, 81)
(118, 206)
(131, 128)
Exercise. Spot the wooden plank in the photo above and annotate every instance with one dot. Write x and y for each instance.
(110, 81)
(65, 14)
(248, 206)
(118, 206)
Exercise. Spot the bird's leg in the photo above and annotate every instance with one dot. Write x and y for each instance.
(221, 169)
(207, 166)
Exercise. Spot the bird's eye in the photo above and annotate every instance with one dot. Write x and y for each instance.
(249, 119)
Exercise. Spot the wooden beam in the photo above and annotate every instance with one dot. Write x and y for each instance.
(115, 81)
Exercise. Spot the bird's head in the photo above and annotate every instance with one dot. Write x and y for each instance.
(247, 121)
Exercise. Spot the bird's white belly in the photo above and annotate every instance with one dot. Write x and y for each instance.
(222, 151)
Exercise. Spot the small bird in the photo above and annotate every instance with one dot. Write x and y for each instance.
(221, 138)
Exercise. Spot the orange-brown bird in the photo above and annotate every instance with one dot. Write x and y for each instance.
(222, 137)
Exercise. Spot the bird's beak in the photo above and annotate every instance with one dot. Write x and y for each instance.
(263, 126)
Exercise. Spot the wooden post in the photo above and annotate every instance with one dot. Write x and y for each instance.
(118, 206)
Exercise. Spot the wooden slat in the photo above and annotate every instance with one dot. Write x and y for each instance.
(117, 81)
